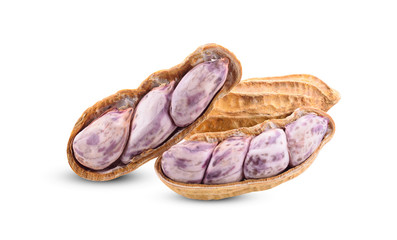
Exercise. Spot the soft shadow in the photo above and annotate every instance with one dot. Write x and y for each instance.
(71, 177)
(172, 196)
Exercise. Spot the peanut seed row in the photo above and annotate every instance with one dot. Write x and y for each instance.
(119, 135)
(245, 157)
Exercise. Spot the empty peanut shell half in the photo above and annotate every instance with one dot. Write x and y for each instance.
(246, 159)
(255, 100)
(125, 130)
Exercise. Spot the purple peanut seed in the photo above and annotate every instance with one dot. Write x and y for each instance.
(227, 160)
(196, 90)
(187, 161)
(102, 142)
(267, 155)
(152, 123)
(304, 136)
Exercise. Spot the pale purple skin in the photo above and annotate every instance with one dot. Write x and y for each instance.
(102, 142)
(196, 90)
(267, 155)
(152, 123)
(227, 160)
(187, 161)
(304, 136)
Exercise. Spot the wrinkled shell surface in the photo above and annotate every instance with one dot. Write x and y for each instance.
(129, 98)
(220, 191)
(256, 100)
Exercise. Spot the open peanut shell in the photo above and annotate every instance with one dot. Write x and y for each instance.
(129, 98)
(220, 191)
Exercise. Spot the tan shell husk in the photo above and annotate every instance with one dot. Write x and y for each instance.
(220, 191)
(255, 100)
(130, 97)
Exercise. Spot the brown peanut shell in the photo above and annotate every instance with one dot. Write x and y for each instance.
(220, 191)
(130, 98)
(255, 100)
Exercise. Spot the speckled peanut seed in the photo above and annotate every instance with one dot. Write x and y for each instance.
(304, 136)
(102, 142)
(226, 163)
(267, 155)
(186, 162)
(196, 90)
(152, 123)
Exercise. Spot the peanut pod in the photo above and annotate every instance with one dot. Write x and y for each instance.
(279, 150)
(125, 130)
(255, 100)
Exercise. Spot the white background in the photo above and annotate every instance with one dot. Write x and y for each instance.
(57, 58)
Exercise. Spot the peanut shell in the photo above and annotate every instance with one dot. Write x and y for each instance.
(255, 100)
(129, 98)
(220, 191)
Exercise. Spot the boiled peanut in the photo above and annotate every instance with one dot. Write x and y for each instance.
(211, 69)
(187, 161)
(102, 142)
(196, 90)
(304, 136)
(269, 153)
(152, 123)
(227, 161)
